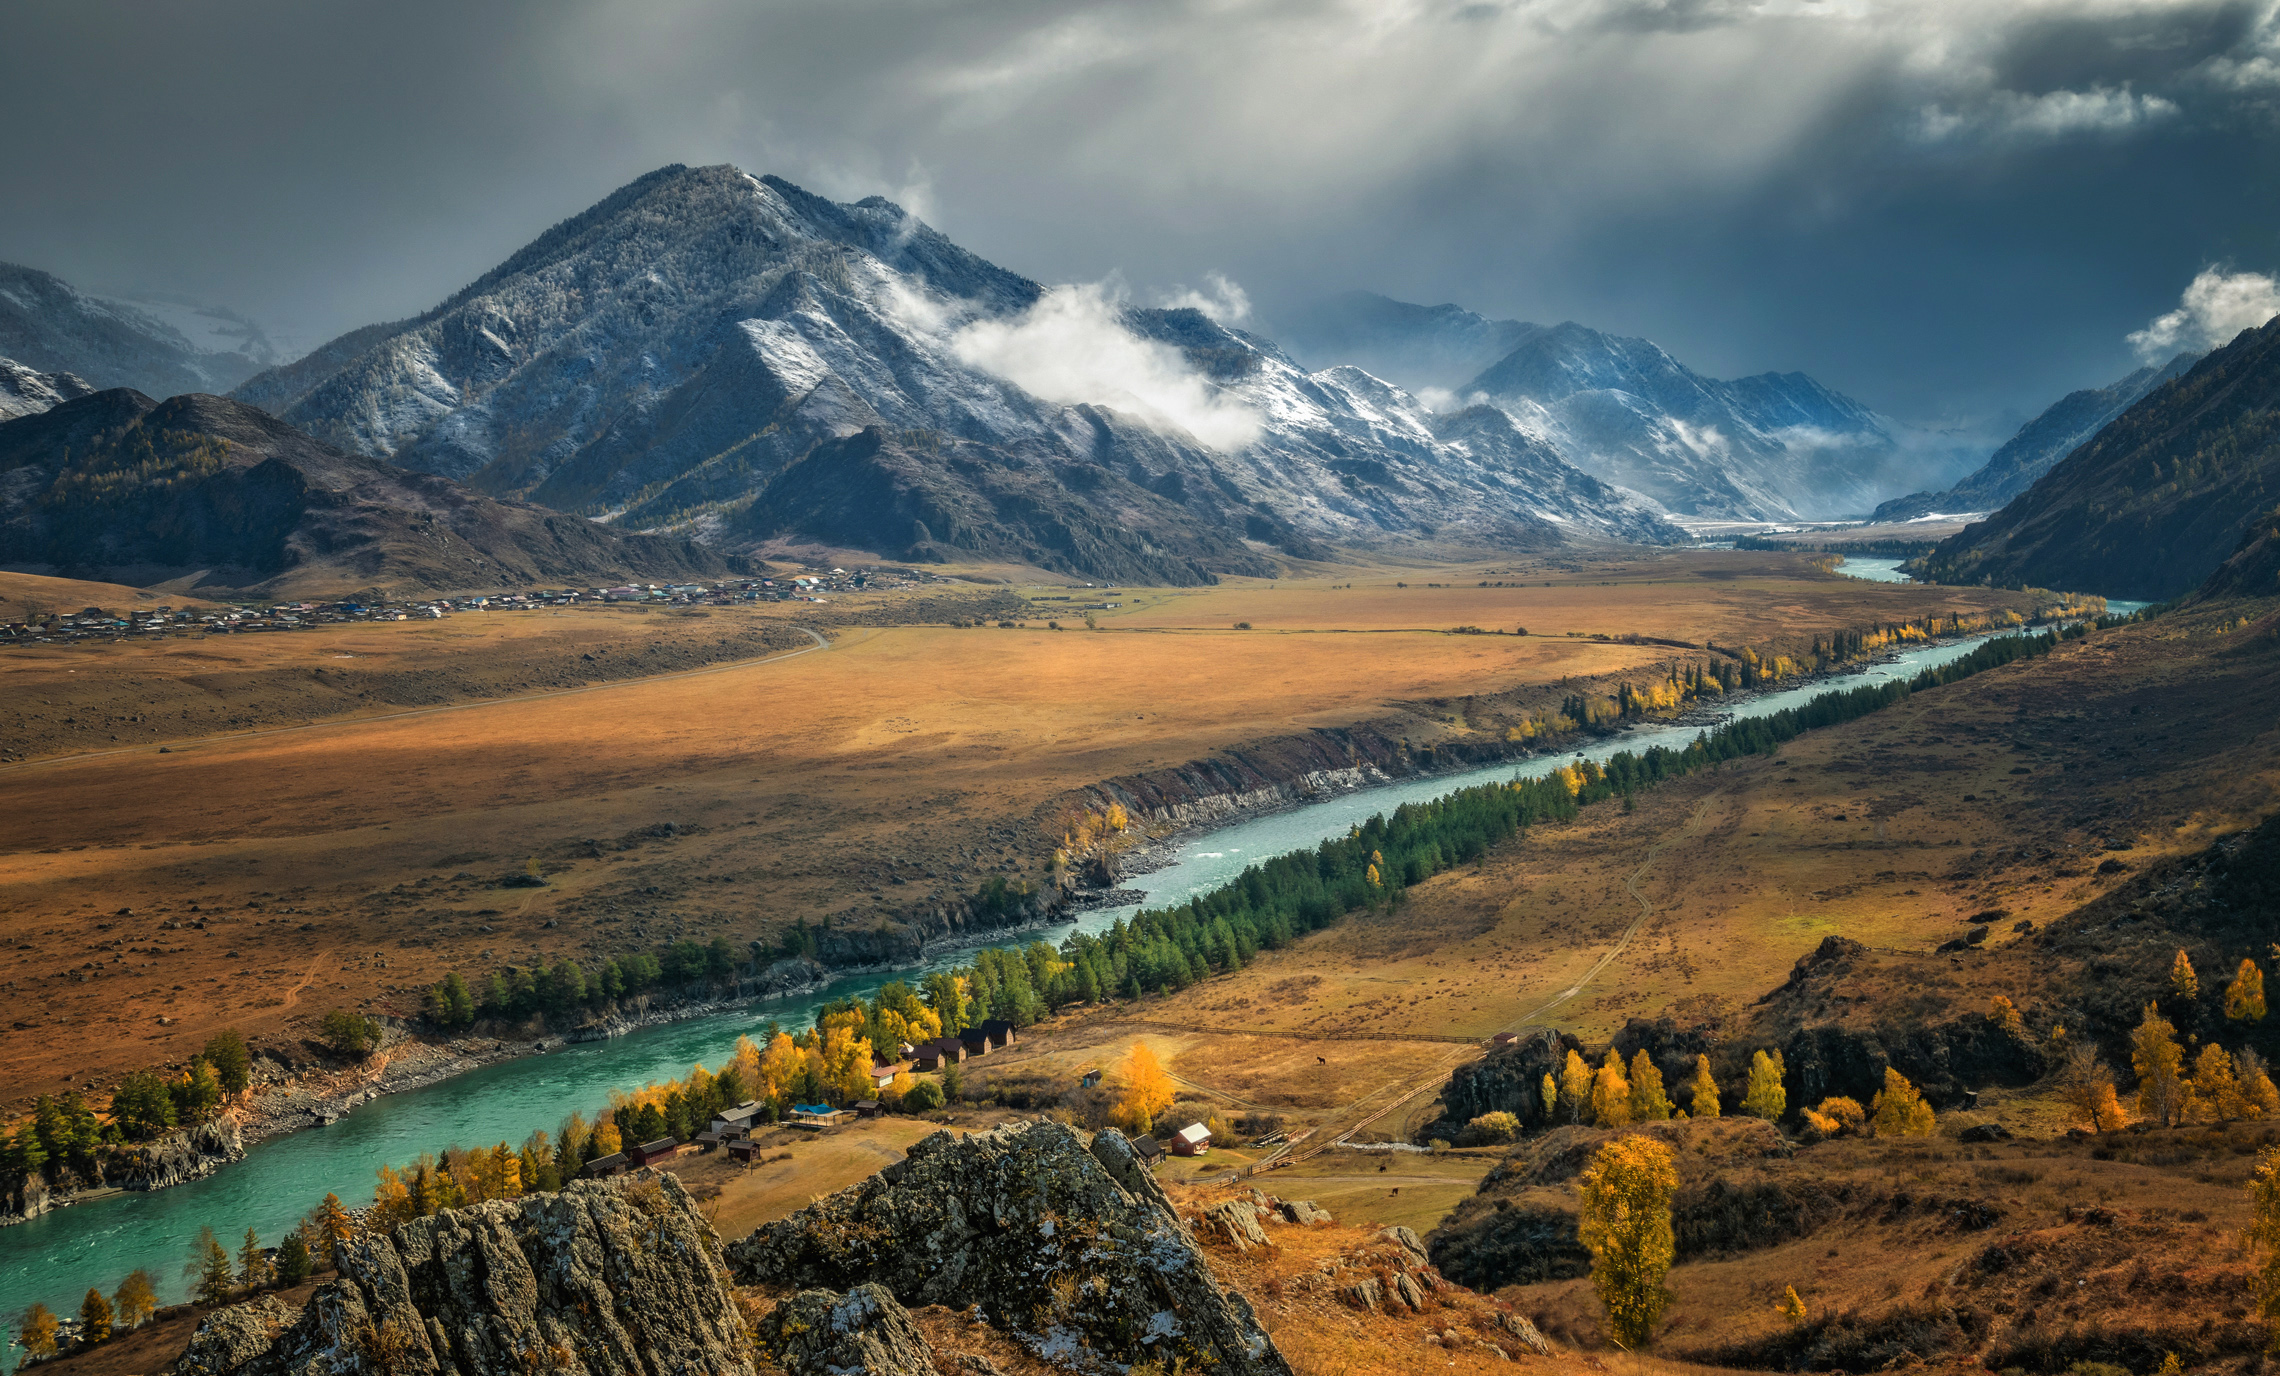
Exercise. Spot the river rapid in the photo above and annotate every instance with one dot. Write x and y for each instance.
(54, 1258)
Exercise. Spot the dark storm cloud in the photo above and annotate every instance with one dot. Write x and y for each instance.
(1948, 208)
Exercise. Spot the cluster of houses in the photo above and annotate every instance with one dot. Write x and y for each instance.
(995, 1035)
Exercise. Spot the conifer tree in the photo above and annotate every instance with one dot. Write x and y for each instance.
(2244, 997)
(294, 1264)
(2182, 980)
(1626, 1226)
(254, 1270)
(330, 1228)
(232, 1063)
(39, 1326)
(210, 1268)
(135, 1300)
(2159, 1061)
(94, 1318)
(1611, 1093)
(1650, 1103)
(1900, 1111)
(1575, 1086)
(1792, 1306)
(1765, 1098)
(1705, 1104)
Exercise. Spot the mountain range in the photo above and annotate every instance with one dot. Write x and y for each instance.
(2182, 481)
(1776, 446)
(2038, 446)
(220, 497)
(728, 354)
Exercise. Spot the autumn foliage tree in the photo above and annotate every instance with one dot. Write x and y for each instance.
(2244, 997)
(94, 1318)
(1626, 1226)
(2160, 1063)
(38, 1335)
(2182, 980)
(1900, 1111)
(135, 1300)
(2263, 1232)
(210, 1268)
(1611, 1093)
(1765, 1098)
(1705, 1101)
(2088, 1088)
(1144, 1089)
(1575, 1086)
(1650, 1101)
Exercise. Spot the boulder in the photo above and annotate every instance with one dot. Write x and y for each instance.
(1407, 1241)
(1302, 1211)
(1069, 1248)
(1408, 1291)
(1365, 1294)
(1525, 1333)
(818, 1333)
(1984, 1132)
(229, 1338)
(1236, 1223)
(610, 1278)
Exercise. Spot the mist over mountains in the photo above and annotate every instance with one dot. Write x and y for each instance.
(49, 326)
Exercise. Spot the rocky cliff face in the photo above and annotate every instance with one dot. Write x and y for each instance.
(177, 1158)
(1071, 1250)
(617, 1277)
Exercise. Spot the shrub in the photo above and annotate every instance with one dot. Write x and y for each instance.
(1490, 1128)
(351, 1034)
(1836, 1117)
(1900, 1111)
(924, 1097)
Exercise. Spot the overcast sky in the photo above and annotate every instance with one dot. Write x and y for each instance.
(1950, 209)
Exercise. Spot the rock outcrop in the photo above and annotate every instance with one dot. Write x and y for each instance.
(179, 1157)
(1035, 1229)
(604, 1278)
(229, 1338)
(818, 1333)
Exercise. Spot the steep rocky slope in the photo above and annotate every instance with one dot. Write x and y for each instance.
(2038, 446)
(1774, 446)
(118, 486)
(49, 326)
(2152, 505)
(669, 355)
(27, 392)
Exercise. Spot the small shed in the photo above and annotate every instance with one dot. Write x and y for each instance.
(1506, 1038)
(744, 1149)
(708, 1140)
(602, 1167)
(1000, 1032)
(884, 1075)
(976, 1041)
(1192, 1140)
(866, 1108)
(650, 1153)
(1148, 1149)
(1090, 1079)
(940, 1052)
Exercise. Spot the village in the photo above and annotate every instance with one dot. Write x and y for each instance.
(100, 624)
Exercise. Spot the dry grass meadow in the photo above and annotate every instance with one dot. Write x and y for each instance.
(336, 802)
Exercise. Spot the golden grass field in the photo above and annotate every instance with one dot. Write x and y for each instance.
(316, 852)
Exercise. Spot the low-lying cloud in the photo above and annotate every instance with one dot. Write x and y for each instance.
(2217, 306)
(1071, 347)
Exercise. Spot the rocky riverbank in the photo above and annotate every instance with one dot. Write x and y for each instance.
(175, 1159)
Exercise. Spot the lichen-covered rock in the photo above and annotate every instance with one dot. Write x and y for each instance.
(1115, 1154)
(1032, 1227)
(818, 1333)
(1303, 1211)
(1236, 1223)
(229, 1338)
(607, 1278)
